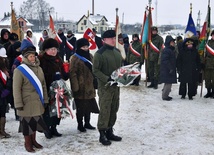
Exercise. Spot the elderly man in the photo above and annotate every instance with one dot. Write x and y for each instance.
(106, 60)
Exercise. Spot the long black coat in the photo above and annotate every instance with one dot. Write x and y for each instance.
(188, 65)
(168, 63)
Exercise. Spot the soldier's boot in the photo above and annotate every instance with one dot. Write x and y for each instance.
(3, 133)
(103, 138)
(55, 132)
(155, 84)
(151, 85)
(111, 136)
(208, 93)
(87, 122)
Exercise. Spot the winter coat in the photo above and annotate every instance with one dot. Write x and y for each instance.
(131, 58)
(25, 94)
(4, 42)
(81, 79)
(50, 65)
(158, 42)
(68, 51)
(8, 85)
(32, 39)
(188, 64)
(106, 60)
(168, 64)
(209, 58)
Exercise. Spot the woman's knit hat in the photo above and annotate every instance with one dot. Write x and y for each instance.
(82, 42)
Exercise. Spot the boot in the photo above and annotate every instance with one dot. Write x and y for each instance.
(87, 122)
(155, 84)
(3, 133)
(80, 126)
(208, 93)
(103, 138)
(34, 142)
(151, 85)
(28, 144)
(48, 134)
(55, 132)
(110, 135)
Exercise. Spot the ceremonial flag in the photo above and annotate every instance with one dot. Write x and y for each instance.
(118, 31)
(190, 29)
(205, 32)
(52, 33)
(14, 27)
(88, 34)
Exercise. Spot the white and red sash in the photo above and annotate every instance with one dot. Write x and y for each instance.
(3, 77)
(154, 48)
(71, 47)
(134, 51)
(209, 49)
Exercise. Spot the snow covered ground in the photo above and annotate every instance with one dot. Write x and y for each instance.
(148, 125)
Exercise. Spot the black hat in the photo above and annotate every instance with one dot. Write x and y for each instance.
(212, 33)
(82, 42)
(109, 34)
(49, 43)
(28, 51)
(94, 30)
(13, 37)
(154, 28)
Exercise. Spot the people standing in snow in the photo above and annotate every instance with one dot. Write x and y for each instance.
(62, 44)
(188, 68)
(72, 40)
(42, 39)
(5, 87)
(52, 66)
(81, 79)
(168, 67)
(98, 40)
(106, 60)
(30, 97)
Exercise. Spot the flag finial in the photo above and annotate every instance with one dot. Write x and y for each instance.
(11, 4)
(190, 7)
(116, 11)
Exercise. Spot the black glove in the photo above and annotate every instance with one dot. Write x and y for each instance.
(115, 84)
(20, 108)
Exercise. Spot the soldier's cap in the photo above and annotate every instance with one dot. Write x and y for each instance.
(109, 34)
(154, 28)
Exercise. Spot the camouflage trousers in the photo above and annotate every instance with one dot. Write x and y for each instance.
(109, 105)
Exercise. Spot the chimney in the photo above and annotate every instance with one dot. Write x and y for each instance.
(92, 7)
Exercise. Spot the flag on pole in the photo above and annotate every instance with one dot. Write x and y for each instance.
(190, 28)
(14, 27)
(205, 32)
(118, 31)
(88, 34)
(52, 33)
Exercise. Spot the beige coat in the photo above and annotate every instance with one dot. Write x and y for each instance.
(25, 94)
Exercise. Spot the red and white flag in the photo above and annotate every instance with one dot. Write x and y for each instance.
(3, 77)
(90, 37)
(52, 33)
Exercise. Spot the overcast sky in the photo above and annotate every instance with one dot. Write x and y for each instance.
(167, 12)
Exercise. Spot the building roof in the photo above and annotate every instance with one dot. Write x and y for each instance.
(6, 21)
(94, 19)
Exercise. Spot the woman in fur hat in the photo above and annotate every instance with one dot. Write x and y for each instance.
(81, 78)
(52, 66)
(30, 97)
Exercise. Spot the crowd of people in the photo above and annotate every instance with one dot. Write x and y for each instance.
(27, 75)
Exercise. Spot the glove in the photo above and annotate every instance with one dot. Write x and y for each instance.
(115, 84)
(170, 71)
(57, 76)
(20, 108)
(5, 93)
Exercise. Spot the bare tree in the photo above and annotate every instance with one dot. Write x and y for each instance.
(36, 9)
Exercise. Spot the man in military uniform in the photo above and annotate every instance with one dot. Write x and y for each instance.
(106, 60)
(209, 68)
(153, 58)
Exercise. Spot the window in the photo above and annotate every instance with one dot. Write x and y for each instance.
(21, 23)
(85, 22)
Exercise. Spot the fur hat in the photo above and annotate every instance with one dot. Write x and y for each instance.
(13, 37)
(26, 44)
(109, 34)
(49, 43)
(212, 33)
(82, 42)
(2, 52)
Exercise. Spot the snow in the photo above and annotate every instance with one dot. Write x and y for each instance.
(147, 124)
